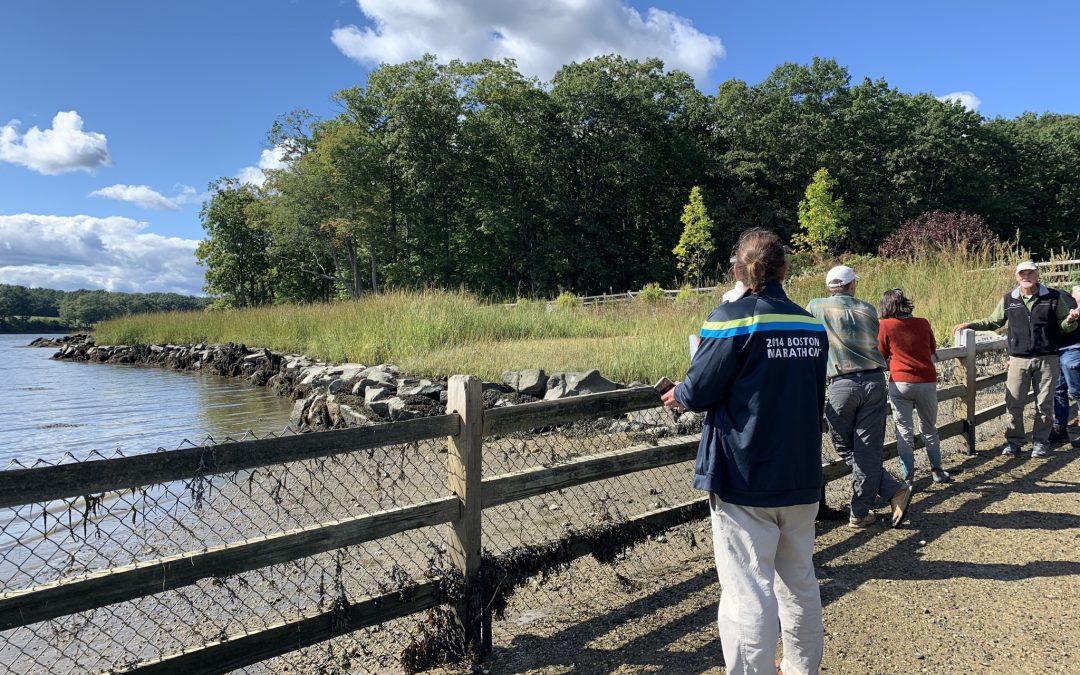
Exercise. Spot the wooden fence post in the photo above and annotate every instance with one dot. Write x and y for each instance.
(966, 339)
(463, 460)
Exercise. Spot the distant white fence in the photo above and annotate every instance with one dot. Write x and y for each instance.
(1053, 271)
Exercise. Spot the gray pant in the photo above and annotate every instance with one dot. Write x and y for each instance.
(906, 398)
(1025, 373)
(855, 412)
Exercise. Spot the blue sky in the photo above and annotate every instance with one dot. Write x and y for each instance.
(114, 116)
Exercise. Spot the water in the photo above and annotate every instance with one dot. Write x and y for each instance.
(52, 408)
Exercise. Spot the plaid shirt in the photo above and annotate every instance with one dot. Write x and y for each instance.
(852, 327)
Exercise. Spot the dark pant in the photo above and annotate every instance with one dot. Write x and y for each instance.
(855, 407)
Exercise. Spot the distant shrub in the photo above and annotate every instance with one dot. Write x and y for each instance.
(529, 303)
(650, 293)
(938, 231)
(567, 300)
(803, 262)
(686, 297)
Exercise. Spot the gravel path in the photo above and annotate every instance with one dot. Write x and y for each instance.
(984, 578)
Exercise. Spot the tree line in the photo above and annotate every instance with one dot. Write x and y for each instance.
(473, 175)
(19, 305)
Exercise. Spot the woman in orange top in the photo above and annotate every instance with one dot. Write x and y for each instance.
(907, 343)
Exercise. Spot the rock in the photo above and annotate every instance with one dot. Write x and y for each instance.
(296, 417)
(531, 382)
(690, 422)
(348, 371)
(659, 416)
(352, 417)
(336, 386)
(387, 407)
(561, 385)
(313, 375)
(410, 386)
(281, 384)
(373, 394)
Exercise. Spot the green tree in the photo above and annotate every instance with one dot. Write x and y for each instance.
(695, 245)
(509, 127)
(234, 252)
(821, 216)
(85, 308)
(14, 300)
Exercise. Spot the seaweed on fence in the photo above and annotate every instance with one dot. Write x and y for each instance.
(501, 576)
(439, 637)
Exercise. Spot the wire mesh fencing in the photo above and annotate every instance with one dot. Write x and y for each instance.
(71, 539)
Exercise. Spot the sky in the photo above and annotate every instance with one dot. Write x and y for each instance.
(116, 115)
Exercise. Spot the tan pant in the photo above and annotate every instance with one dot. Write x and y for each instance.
(1025, 373)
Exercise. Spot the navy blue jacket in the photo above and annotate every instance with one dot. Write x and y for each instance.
(759, 372)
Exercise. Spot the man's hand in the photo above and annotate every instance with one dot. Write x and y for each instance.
(1074, 315)
(959, 327)
(668, 397)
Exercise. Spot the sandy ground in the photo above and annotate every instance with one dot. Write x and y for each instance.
(983, 578)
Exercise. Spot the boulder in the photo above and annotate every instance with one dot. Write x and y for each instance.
(411, 386)
(373, 394)
(387, 407)
(352, 417)
(561, 385)
(336, 386)
(296, 418)
(314, 376)
(531, 382)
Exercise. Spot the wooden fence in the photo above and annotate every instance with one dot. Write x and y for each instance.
(466, 424)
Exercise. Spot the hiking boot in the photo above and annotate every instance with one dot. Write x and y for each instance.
(1011, 450)
(941, 476)
(1040, 451)
(865, 521)
(1058, 434)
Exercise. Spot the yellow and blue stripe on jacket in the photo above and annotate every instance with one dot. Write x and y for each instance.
(759, 374)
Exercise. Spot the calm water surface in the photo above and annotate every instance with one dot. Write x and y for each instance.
(50, 408)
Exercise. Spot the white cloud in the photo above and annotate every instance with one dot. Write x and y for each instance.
(116, 254)
(64, 147)
(274, 158)
(541, 35)
(968, 99)
(148, 198)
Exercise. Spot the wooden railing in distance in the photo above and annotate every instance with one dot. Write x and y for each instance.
(465, 425)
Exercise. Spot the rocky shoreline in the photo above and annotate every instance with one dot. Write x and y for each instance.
(330, 395)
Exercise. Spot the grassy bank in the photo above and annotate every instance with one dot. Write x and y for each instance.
(439, 334)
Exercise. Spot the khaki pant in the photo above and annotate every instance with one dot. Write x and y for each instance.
(1025, 373)
(764, 557)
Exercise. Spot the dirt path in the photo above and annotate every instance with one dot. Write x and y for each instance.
(984, 579)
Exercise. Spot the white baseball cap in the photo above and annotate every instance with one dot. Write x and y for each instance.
(841, 275)
(1026, 265)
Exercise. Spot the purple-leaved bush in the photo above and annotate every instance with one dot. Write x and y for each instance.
(938, 231)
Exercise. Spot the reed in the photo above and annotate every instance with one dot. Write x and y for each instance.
(437, 333)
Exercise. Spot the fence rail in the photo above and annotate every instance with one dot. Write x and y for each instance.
(467, 428)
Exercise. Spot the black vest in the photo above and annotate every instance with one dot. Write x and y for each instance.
(1034, 333)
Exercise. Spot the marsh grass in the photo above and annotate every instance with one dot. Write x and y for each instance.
(436, 333)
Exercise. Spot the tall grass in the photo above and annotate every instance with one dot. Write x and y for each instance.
(437, 333)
